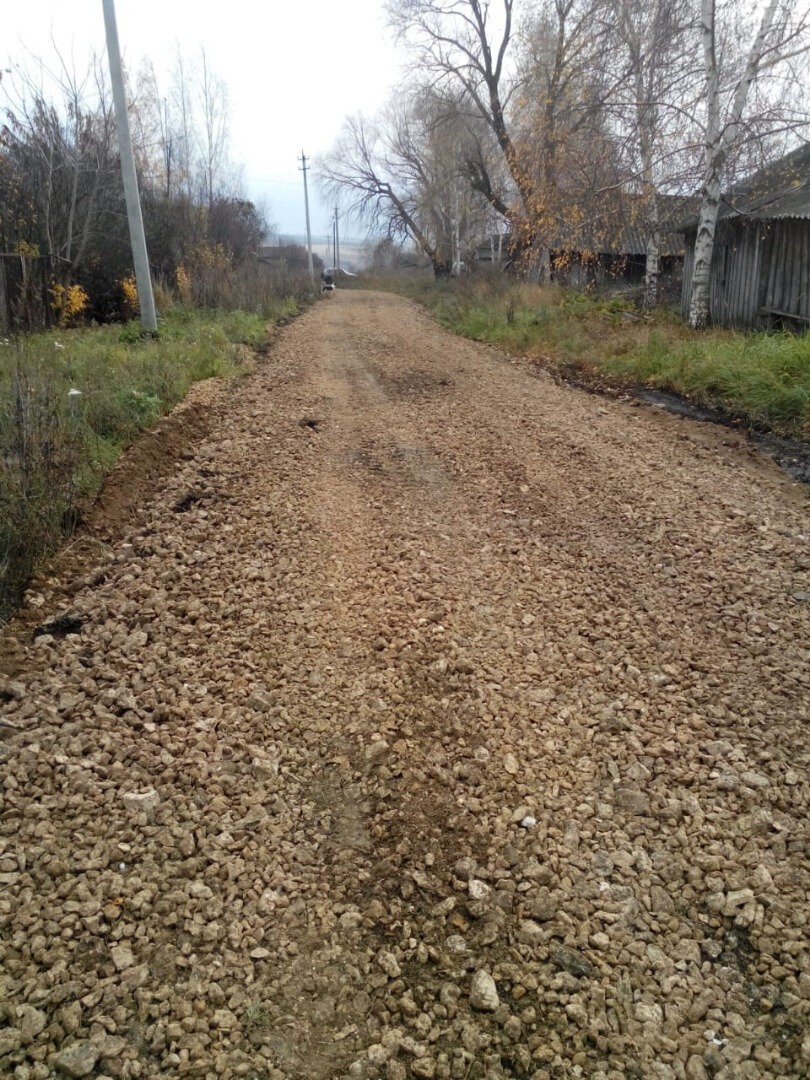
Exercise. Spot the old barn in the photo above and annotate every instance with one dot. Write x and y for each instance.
(608, 249)
(761, 264)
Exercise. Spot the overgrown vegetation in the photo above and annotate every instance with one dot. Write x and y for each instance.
(64, 242)
(72, 400)
(763, 378)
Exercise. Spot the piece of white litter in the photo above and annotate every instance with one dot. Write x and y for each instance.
(122, 866)
(74, 393)
(58, 345)
(528, 822)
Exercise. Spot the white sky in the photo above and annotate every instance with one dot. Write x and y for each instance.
(294, 69)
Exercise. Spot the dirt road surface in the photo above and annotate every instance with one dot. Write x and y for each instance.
(432, 720)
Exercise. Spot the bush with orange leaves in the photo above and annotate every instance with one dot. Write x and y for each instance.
(129, 296)
(70, 302)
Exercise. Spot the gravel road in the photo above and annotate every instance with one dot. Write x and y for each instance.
(431, 720)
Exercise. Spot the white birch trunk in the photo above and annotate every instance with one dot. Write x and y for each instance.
(718, 143)
(652, 272)
(699, 313)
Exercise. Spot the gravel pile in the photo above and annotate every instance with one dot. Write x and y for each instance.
(432, 720)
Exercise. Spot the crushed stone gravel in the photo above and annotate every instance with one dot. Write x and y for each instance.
(430, 720)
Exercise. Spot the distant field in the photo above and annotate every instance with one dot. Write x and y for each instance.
(354, 252)
(353, 257)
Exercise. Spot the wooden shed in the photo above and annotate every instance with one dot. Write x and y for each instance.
(761, 263)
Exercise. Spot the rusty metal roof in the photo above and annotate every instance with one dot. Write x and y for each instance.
(780, 190)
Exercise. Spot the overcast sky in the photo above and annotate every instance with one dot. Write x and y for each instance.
(294, 69)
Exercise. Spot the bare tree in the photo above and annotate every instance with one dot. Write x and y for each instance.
(61, 155)
(530, 101)
(213, 136)
(153, 132)
(362, 168)
(405, 174)
(181, 111)
(465, 45)
(60, 184)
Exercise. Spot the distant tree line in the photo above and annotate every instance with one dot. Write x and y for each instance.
(60, 184)
(564, 122)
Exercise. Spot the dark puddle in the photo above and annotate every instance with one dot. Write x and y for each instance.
(791, 455)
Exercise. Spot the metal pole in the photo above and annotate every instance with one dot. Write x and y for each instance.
(337, 240)
(456, 259)
(304, 168)
(137, 239)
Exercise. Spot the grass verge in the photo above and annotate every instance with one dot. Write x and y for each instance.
(71, 401)
(761, 377)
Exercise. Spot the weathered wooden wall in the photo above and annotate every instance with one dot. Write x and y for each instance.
(785, 285)
(760, 272)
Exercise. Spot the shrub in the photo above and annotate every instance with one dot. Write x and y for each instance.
(70, 302)
(129, 293)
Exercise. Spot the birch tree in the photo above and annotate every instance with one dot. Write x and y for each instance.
(782, 35)
(651, 103)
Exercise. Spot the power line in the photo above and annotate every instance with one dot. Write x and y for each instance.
(271, 180)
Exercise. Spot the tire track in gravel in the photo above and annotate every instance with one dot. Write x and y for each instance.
(417, 599)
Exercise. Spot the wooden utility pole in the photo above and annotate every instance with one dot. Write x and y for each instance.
(304, 169)
(137, 239)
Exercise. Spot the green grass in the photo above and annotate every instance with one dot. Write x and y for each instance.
(56, 447)
(762, 377)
